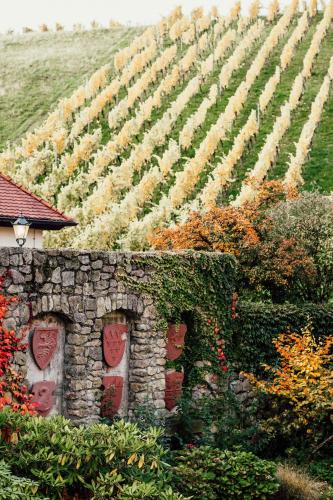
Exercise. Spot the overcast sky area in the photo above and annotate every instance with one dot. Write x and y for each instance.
(14, 14)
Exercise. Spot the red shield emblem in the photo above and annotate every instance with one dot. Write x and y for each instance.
(42, 394)
(114, 341)
(113, 393)
(175, 342)
(44, 344)
(173, 389)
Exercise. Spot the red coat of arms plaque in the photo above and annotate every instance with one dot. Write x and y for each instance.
(175, 342)
(42, 393)
(113, 393)
(44, 344)
(173, 389)
(114, 341)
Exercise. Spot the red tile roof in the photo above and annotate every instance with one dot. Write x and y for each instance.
(15, 199)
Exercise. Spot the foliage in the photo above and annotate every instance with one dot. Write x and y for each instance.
(195, 288)
(323, 469)
(13, 393)
(216, 419)
(144, 416)
(16, 488)
(301, 388)
(296, 484)
(69, 460)
(257, 324)
(269, 262)
(209, 474)
(309, 219)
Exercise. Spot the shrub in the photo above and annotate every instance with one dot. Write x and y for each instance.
(218, 420)
(67, 460)
(300, 388)
(323, 469)
(210, 474)
(309, 219)
(16, 488)
(271, 264)
(295, 484)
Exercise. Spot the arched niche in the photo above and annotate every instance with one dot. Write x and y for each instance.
(45, 363)
(178, 333)
(116, 336)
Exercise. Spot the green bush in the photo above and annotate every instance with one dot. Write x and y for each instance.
(96, 461)
(322, 469)
(308, 219)
(218, 420)
(16, 488)
(209, 474)
(257, 324)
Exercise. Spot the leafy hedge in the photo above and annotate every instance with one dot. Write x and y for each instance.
(59, 460)
(16, 488)
(212, 474)
(257, 324)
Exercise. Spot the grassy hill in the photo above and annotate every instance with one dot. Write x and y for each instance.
(38, 69)
(178, 118)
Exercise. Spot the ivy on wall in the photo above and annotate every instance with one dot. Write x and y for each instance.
(194, 287)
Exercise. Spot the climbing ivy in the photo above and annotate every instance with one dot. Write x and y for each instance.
(194, 287)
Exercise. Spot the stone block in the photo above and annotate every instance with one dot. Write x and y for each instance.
(97, 264)
(68, 278)
(56, 275)
(17, 277)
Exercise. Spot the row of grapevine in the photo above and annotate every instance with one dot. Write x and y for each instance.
(187, 178)
(140, 230)
(269, 151)
(122, 180)
(63, 112)
(221, 174)
(90, 113)
(293, 175)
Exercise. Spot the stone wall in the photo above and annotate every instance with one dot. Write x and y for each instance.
(76, 295)
(97, 344)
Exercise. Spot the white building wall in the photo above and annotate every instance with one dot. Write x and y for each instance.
(34, 240)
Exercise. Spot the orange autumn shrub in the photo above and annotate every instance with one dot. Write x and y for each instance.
(224, 229)
(301, 386)
(221, 230)
(276, 264)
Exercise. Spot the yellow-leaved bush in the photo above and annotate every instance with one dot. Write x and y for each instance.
(301, 386)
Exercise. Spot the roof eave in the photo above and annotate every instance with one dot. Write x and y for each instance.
(44, 224)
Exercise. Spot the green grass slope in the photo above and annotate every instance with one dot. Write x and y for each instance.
(38, 69)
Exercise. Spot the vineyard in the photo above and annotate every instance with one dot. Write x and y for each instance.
(196, 111)
(40, 68)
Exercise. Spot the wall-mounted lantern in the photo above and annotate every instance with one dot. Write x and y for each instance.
(21, 229)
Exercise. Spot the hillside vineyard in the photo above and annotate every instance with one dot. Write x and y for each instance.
(198, 111)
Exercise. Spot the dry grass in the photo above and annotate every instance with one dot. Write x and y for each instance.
(298, 485)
